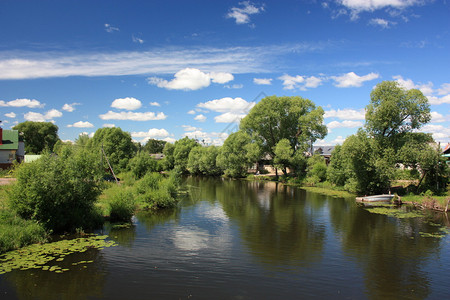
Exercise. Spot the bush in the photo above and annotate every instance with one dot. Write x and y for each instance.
(16, 232)
(121, 205)
(154, 191)
(141, 164)
(58, 191)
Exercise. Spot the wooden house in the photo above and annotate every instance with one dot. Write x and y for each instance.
(12, 148)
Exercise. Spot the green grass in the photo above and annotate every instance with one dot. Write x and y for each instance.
(329, 191)
(432, 202)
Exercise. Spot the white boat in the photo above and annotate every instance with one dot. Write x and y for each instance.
(375, 198)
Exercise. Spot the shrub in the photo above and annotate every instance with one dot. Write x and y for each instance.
(154, 191)
(58, 191)
(121, 205)
(141, 164)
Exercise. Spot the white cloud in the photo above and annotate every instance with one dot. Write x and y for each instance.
(133, 116)
(211, 138)
(300, 82)
(381, 22)
(81, 124)
(70, 107)
(228, 104)
(229, 117)
(262, 81)
(109, 28)
(137, 40)
(221, 77)
(151, 133)
(191, 112)
(438, 118)
(242, 14)
(346, 114)
(27, 65)
(154, 104)
(38, 117)
(344, 124)
(200, 118)
(169, 140)
(440, 133)
(108, 125)
(22, 103)
(353, 80)
(190, 128)
(234, 86)
(339, 140)
(372, 5)
(191, 79)
(128, 103)
(427, 90)
(10, 115)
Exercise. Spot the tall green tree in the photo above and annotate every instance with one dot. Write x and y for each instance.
(117, 144)
(181, 151)
(294, 119)
(38, 136)
(154, 146)
(202, 161)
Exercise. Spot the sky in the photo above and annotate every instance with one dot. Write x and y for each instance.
(170, 69)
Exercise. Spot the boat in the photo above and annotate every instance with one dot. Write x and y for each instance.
(376, 198)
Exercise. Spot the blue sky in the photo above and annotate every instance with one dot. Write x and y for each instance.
(169, 69)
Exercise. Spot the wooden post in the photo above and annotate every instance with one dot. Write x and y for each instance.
(109, 165)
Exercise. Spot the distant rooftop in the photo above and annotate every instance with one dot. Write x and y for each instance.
(10, 140)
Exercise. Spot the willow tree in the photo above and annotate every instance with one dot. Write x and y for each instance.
(277, 119)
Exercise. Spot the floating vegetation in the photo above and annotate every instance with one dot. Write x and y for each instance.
(433, 235)
(397, 213)
(39, 256)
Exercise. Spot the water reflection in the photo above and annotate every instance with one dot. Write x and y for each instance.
(391, 251)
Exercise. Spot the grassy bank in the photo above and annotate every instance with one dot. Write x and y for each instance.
(440, 203)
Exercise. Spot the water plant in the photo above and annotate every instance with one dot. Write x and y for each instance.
(48, 256)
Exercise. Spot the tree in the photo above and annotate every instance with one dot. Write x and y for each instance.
(154, 146)
(394, 111)
(202, 161)
(141, 164)
(38, 136)
(317, 168)
(168, 161)
(117, 144)
(181, 151)
(236, 154)
(294, 119)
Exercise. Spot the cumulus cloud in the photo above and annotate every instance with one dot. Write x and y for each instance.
(70, 107)
(22, 103)
(38, 117)
(339, 140)
(191, 79)
(227, 104)
(10, 115)
(438, 118)
(300, 82)
(133, 116)
(436, 97)
(353, 80)
(440, 133)
(151, 133)
(262, 81)
(344, 124)
(137, 39)
(109, 125)
(128, 103)
(200, 118)
(190, 128)
(234, 86)
(209, 138)
(191, 112)
(229, 117)
(346, 114)
(242, 14)
(81, 124)
(154, 104)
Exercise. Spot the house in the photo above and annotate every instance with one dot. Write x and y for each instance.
(157, 156)
(12, 148)
(324, 151)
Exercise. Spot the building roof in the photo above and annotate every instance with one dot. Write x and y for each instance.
(447, 149)
(323, 150)
(10, 140)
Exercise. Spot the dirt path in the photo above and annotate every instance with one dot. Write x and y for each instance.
(5, 181)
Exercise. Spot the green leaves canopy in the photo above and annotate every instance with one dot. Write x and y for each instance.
(38, 136)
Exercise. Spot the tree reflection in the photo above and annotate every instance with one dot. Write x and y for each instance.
(391, 251)
(276, 223)
(82, 281)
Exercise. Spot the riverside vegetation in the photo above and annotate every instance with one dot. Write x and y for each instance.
(64, 191)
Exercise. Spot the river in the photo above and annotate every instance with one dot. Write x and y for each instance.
(234, 239)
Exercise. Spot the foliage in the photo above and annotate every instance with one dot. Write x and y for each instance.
(121, 204)
(181, 151)
(154, 146)
(16, 232)
(169, 160)
(235, 155)
(317, 169)
(58, 191)
(202, 161)
(154, 191)
(82, 140)
(117, 144)
(289, 120)
(38, 136)
(60, 145)
(141, 164)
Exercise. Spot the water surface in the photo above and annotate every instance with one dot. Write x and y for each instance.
(249, 240)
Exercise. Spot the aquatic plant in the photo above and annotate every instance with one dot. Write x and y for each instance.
(47, 256)
(394, 212)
